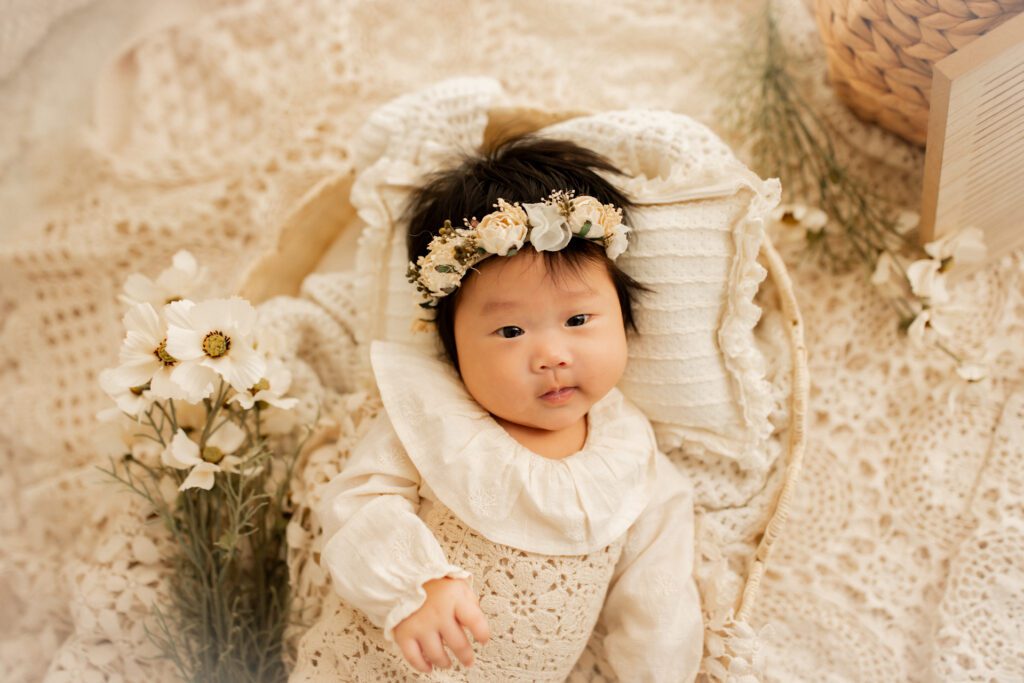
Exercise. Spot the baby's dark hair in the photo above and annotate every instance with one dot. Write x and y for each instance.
(522, 168)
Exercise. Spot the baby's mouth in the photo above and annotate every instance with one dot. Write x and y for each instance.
(561, 394)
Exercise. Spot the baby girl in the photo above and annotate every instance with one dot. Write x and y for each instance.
(508, 492)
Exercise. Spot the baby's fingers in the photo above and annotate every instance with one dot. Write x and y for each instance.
(472, 618)
(455, 639)
(411, 649)
(434, 651)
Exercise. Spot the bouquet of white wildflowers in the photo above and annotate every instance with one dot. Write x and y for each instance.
(210, 443)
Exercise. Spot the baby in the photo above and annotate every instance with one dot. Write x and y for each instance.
(508, 489)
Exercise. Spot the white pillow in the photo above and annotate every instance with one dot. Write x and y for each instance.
(694, 369)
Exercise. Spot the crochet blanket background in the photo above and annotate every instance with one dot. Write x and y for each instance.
(903, 554)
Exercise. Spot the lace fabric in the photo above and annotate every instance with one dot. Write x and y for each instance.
(540, 611)
(900, 559)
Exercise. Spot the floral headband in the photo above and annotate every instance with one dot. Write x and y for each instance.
(547, 225)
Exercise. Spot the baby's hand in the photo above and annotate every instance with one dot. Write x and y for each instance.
(450, 607)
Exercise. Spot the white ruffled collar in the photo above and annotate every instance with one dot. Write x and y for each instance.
(500, 488)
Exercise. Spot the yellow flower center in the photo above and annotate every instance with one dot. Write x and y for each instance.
(161, 354)
(262, 385)
(213, 454)
(139, 389)
(216, 344)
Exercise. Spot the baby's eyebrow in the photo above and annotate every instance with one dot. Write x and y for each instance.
(494, 306)
(498, 305)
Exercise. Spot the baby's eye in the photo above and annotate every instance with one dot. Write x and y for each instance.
(584, 316)
(501, 331)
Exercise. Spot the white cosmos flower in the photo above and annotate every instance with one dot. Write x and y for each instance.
(927, 281)
(549, 231)
(962, 246)
(144, 357)
(214, 336)
(269, 389)
(180, 281)
(183, 453)
(132, 399)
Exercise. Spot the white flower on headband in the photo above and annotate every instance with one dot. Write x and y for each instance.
(549, 231)
(548, 225)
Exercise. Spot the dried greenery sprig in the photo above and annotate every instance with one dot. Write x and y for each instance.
(788, 139)
(785, 137)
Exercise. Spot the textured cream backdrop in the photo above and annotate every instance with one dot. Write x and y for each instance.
(904, 552)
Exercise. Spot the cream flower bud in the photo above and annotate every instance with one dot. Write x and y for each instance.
(549, 231)
(502, 230)
(586, 209)
(440, 282)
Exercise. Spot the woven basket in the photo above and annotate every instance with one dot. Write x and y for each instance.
(881, 52)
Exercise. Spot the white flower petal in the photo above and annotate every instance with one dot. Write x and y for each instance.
(195, 379)
(229, 463)
(617, 242)
(184, 343)
(906, 221)
(242, 317)
(549, 231)
(163, 386)
(279, 376)
(962, 246)
(228, 437)
(201, 476)
(927, 282)
(242, 367)
(916, 331)
(140, 289)
(184, 261)
(274, 400)
(178, 313)
(144, 319)
(182, 452)
(244, 399)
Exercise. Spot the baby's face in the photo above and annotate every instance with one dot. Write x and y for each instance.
(520, 334)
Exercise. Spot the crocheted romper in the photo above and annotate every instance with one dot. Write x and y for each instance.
(540, 610)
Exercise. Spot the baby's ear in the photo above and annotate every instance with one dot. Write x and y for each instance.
(508, 122)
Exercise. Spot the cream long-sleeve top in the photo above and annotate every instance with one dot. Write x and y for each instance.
(434, 446)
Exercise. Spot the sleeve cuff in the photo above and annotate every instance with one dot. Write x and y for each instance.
(414, 599)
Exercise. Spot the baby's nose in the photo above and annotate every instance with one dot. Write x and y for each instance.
(552, 358)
